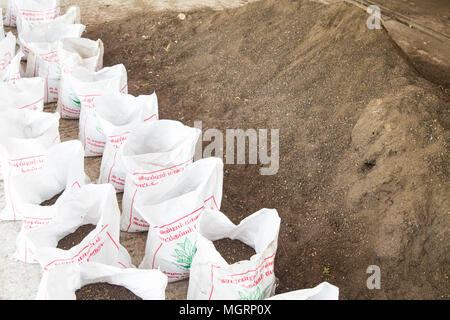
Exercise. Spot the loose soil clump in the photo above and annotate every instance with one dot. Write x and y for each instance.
(105, 291)
(233, 250)
(75, 238)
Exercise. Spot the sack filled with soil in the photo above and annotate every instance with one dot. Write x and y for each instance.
(81, 227)
(75, 238)
(118, 115)
(154, 151)
(233, 250)
(34, 173)
(105, 291)
(253, 278)
(173, 210)
(98, 281)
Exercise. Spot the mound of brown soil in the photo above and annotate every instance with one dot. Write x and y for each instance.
(363, 139)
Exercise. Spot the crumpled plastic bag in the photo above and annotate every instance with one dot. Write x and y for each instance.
(33, 173)
(39, 127)
(153, 152)
(118, 115)
(83, 87)
(43, 227)
(324, 291)
(24, 93)
(173, 210)
(61, 283)
(212, 278)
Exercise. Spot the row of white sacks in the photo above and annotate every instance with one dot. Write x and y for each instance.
(51, 48)
(176, 200)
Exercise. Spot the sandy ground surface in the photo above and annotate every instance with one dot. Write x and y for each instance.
(400, 241)
(17, 280)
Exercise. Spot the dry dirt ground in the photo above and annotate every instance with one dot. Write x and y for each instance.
(363, 177)
(363, 138)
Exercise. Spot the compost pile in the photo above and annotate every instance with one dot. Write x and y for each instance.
(363, 138)
(363, 150)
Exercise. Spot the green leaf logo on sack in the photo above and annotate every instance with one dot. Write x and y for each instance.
(73, 98)
(184, 255)
(255, 294)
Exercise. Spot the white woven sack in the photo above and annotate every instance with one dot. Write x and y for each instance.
(118, 115)
(173, 210)
(212, 278)
(33, 173)
(61, 283)
(153, 152)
